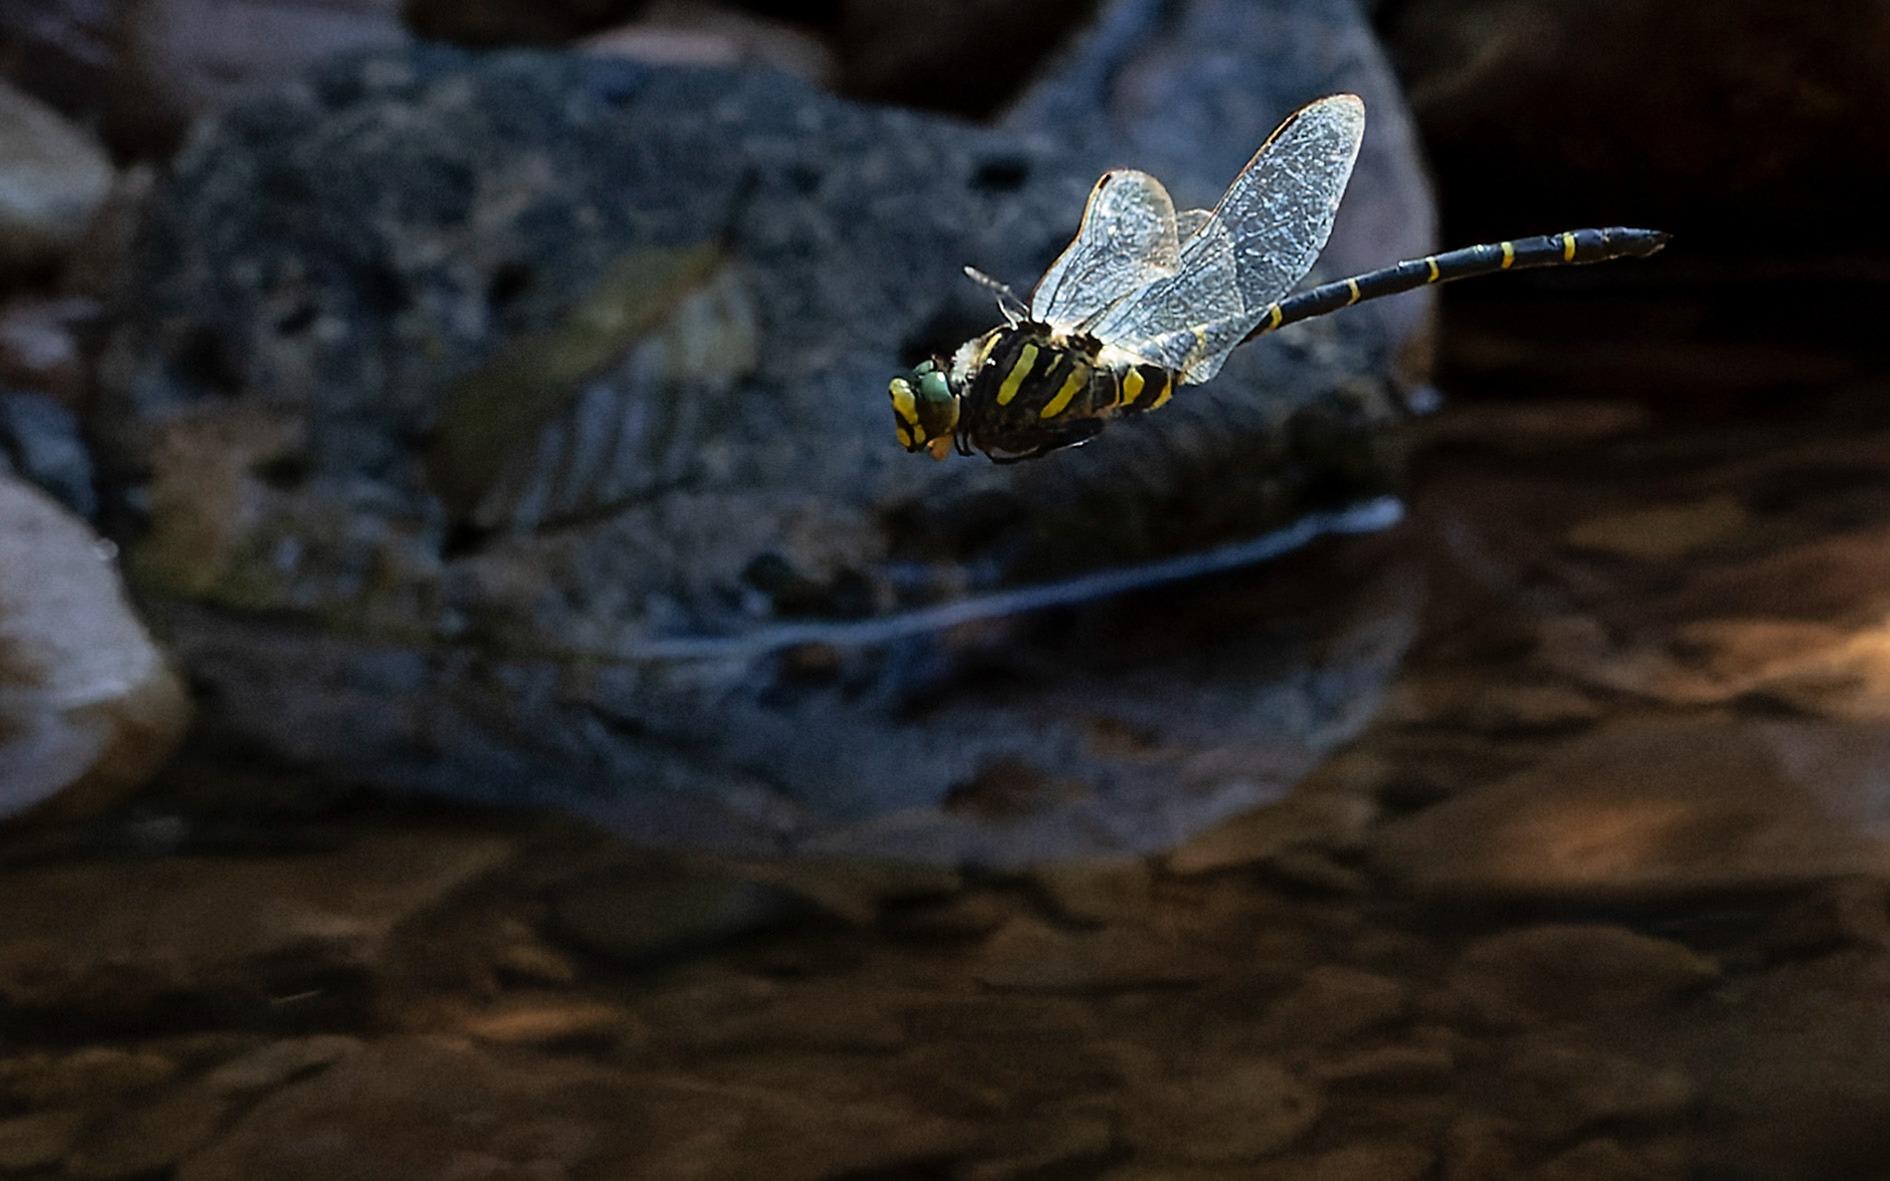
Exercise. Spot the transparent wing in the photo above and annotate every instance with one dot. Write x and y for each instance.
(1127, 240)
(1273, 221)
(1189, 222)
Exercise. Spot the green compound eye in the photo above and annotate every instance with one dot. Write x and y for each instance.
(933, 387)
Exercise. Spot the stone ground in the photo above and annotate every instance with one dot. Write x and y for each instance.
(1602, 895)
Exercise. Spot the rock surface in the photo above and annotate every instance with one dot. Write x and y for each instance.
(1680, 807)
(378, 1114)
(231, 934)
(52, 179)
(40, 441)
(89, 707)
(473, 390)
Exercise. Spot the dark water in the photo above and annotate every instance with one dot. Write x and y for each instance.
(1600, 892)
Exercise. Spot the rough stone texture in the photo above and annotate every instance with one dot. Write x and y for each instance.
(146, 1140)
(89, 707)
(1331, 1004)
(1660, 810)
(1574, 971)
(1556, 1090)
(516, 1115)
(52, 178)
(1030, 956)
(641, 919)
(373, 318)
(1217, 1112)
(40, 441)
(39, 345)
(279, 1062)
(221, 933)
(37, 1140)
(89, 1076)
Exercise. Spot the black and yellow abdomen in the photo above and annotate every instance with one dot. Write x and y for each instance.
(1034, 393)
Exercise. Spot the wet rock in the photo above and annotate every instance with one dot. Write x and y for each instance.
(987, 1081)
(39, 441)
(1326, 820)
(1475, 703)
(145, 1140)
(1659, 810)
(639, 920)
(548, 1021)
(221, 933)
(386, 1112)
(1395, 1067)
(859, 890)
(1097, 892)
(1072, 1137)
(1479, 1148)
(483, 360)
(52, 178)
(1332, 1003)
(1378, 1161)
(1210, 1113)
(1664, 533)
(278, 1063)
(39, 346)
(91, 272)
(1573, 972)
(1553, 1090)
(89, 707)
(39, 1139)
(1601, 1160)
(89, 1076)
(839, 1016)
(969, 917)
(1030, 956)
(1797, 1092)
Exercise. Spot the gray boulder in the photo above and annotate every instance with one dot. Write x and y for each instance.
(489, 425)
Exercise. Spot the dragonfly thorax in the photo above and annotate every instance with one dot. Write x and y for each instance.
(1025, 389)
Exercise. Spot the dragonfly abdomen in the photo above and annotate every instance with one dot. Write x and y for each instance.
(1570, 248)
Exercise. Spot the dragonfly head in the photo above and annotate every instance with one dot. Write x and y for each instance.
(925, 409)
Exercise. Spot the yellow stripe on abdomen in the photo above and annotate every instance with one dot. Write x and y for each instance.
(1132, 384)
(1167, 391)
(1078, 378)
(1014, 380)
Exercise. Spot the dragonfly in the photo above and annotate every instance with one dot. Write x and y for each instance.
(1146, 299)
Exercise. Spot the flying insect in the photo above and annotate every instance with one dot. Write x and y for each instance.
(1145, 299)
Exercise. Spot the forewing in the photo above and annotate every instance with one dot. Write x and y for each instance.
(1157, 322)
(1276, 216)
(1127, 240)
